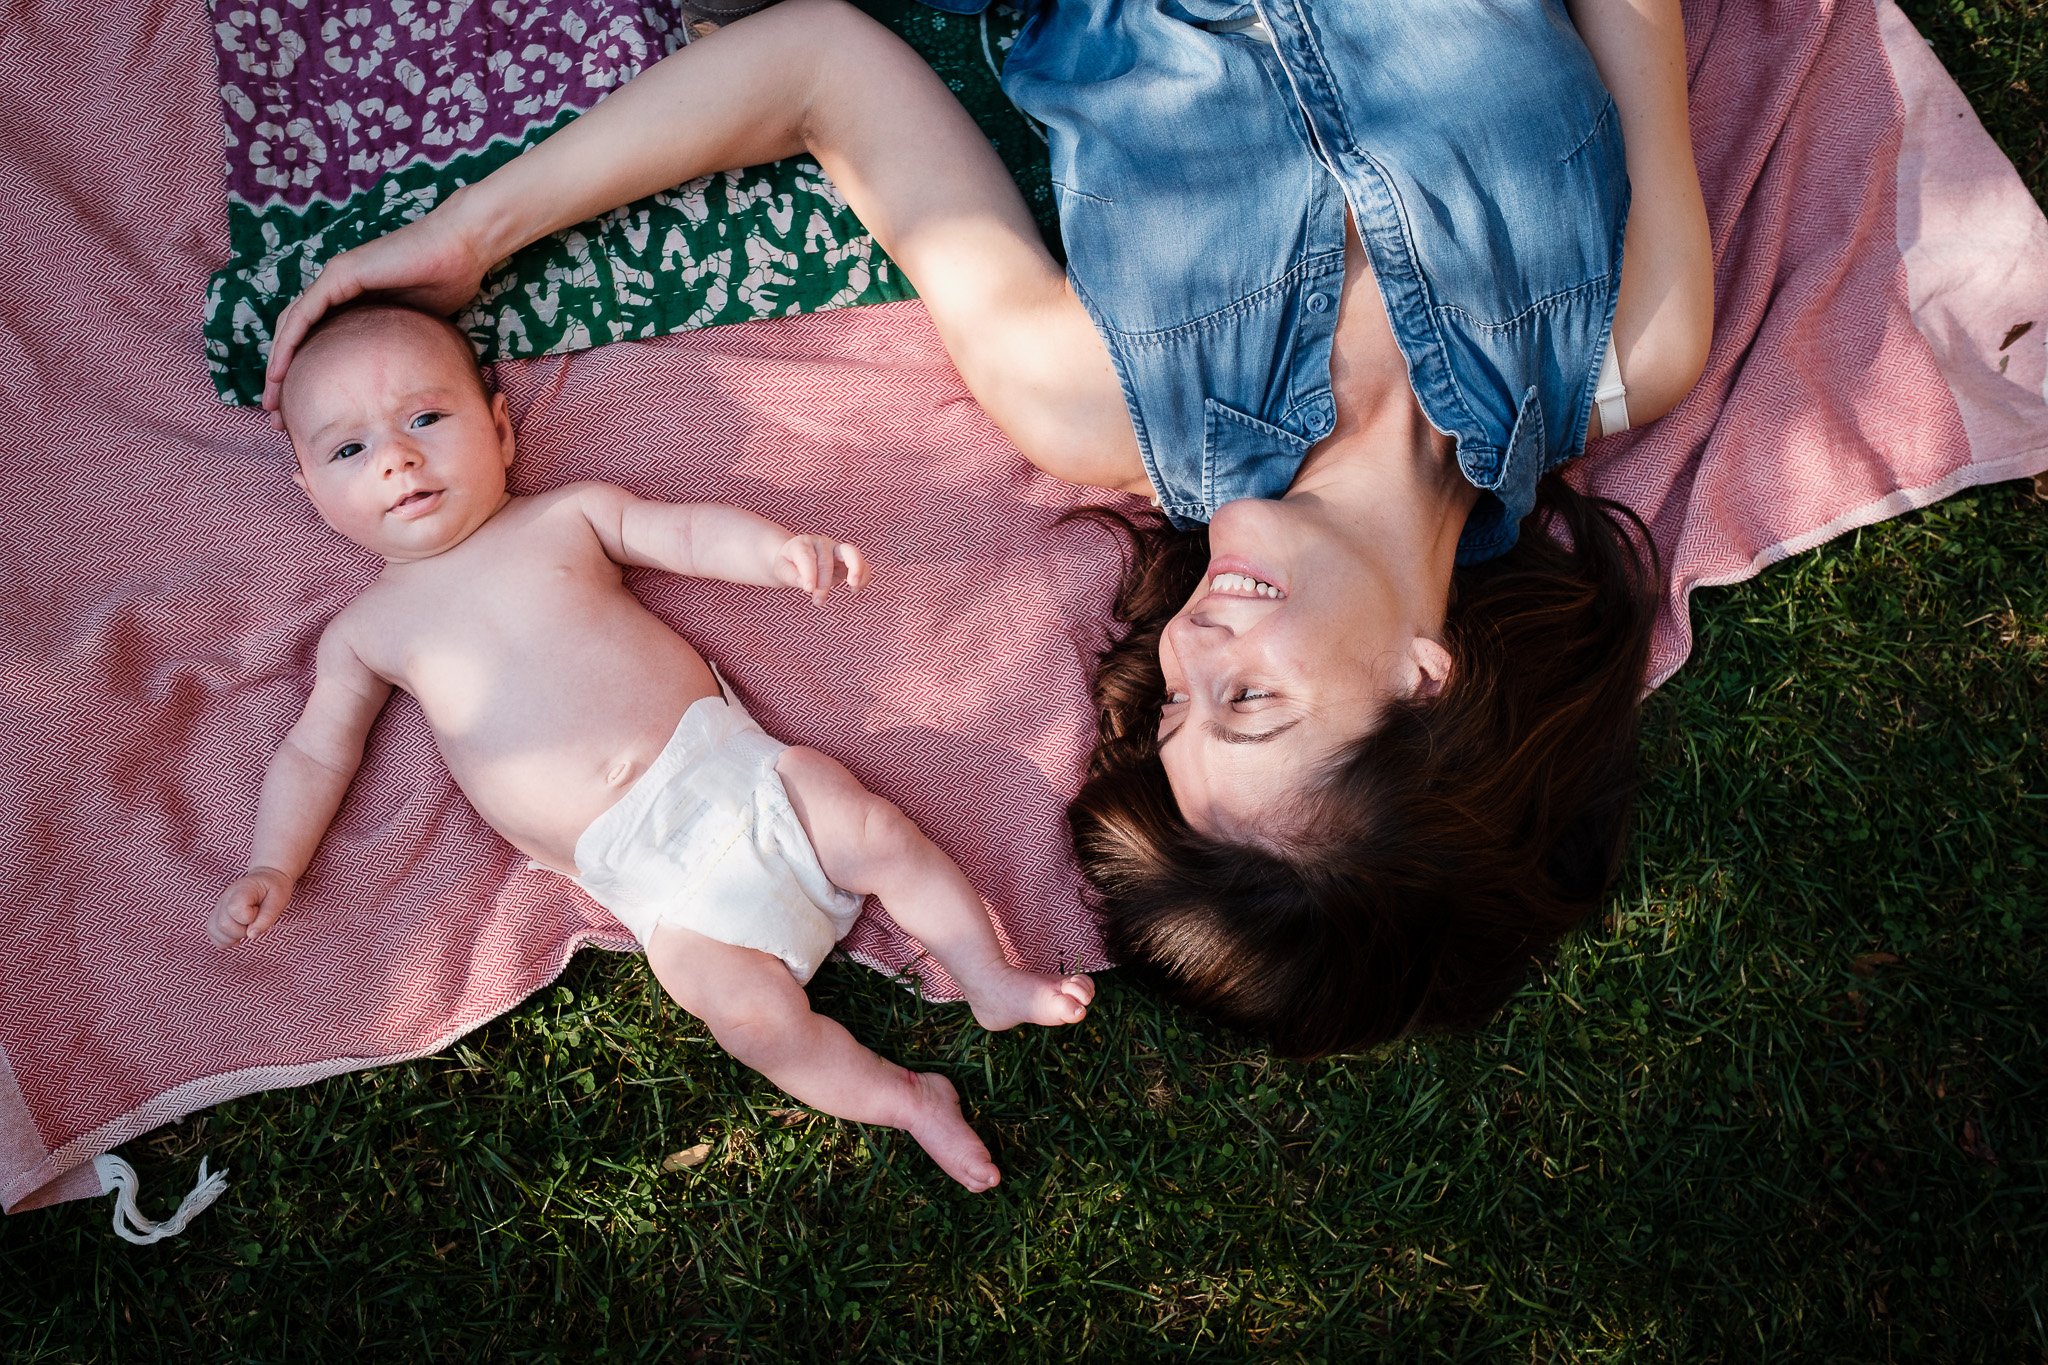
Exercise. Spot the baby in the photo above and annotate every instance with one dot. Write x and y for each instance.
(594, 738)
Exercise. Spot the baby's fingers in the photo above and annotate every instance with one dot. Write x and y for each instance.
(803, 565)
(232, 914)
(272, 905)
(823, 568)
(856, 566)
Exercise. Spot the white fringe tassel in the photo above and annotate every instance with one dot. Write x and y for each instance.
(117, 1175)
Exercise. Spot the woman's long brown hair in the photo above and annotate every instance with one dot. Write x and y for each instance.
(1441, 855)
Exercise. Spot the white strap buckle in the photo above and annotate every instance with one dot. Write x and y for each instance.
(1610, 395)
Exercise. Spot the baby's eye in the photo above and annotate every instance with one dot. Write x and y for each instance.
(347, 451)
(1174, 698)
(426, 419)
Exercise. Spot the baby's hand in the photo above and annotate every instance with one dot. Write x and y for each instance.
(250, 905)
(816, 563)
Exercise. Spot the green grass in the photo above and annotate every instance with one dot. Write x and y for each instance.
(1791, 1102)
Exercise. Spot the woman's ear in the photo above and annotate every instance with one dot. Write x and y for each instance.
(1432, 667)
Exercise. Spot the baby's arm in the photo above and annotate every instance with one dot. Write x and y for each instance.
(758, 1013)
(867, 845)
(302, 789)
(712, 540)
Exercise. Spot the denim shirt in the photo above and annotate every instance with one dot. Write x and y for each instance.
(1203, 173)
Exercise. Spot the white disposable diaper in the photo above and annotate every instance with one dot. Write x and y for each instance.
(706, 839)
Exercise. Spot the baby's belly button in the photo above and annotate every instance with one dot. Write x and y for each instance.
(622, 774)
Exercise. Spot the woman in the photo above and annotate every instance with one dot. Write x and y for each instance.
(1367, 748)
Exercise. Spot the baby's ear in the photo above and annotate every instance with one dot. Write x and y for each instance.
(501, 417)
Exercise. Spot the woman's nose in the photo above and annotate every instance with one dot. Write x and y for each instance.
(1193, 634)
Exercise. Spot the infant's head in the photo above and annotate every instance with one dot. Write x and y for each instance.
(400, 447)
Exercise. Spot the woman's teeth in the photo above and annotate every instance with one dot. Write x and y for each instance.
(1239, 582)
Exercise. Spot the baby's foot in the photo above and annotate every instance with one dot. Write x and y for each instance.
(942, 1131)
(1010, 996)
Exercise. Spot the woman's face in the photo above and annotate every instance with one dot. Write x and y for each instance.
(1294, 642)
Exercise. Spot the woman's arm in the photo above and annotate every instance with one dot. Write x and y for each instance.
(1666, 315)
(814, 76)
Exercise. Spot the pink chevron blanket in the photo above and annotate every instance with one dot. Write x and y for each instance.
(163, 581)
(1880, 299)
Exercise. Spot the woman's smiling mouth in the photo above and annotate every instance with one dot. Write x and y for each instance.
(1230, 576)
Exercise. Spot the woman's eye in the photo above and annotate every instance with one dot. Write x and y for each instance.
(348, 451)
(426, 419)
(1251, 694)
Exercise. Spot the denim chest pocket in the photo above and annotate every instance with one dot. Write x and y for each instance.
(1244, 457)
(1517, 252)
(1069, 198)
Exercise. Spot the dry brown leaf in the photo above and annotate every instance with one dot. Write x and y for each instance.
(2019, 329)
(1866, 964)
(688, 1157)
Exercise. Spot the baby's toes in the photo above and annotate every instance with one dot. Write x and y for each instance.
(1067, 1000)
(1053, 1005)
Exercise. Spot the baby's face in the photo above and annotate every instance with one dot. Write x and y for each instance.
(398, 447)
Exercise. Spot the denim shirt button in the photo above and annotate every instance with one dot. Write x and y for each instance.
(1318, 302)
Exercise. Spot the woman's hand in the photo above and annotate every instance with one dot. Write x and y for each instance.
(431, 263)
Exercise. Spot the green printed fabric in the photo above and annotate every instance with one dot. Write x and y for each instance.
(340, 129)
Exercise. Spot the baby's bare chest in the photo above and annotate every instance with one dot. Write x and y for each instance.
(535, 609)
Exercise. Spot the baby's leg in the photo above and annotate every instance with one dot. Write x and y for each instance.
(759, 1014)
(868, 846)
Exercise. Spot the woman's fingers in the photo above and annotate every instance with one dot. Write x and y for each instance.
(335, 285)
(428, 264)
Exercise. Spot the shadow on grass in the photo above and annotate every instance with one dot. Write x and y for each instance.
(1786, 1103)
